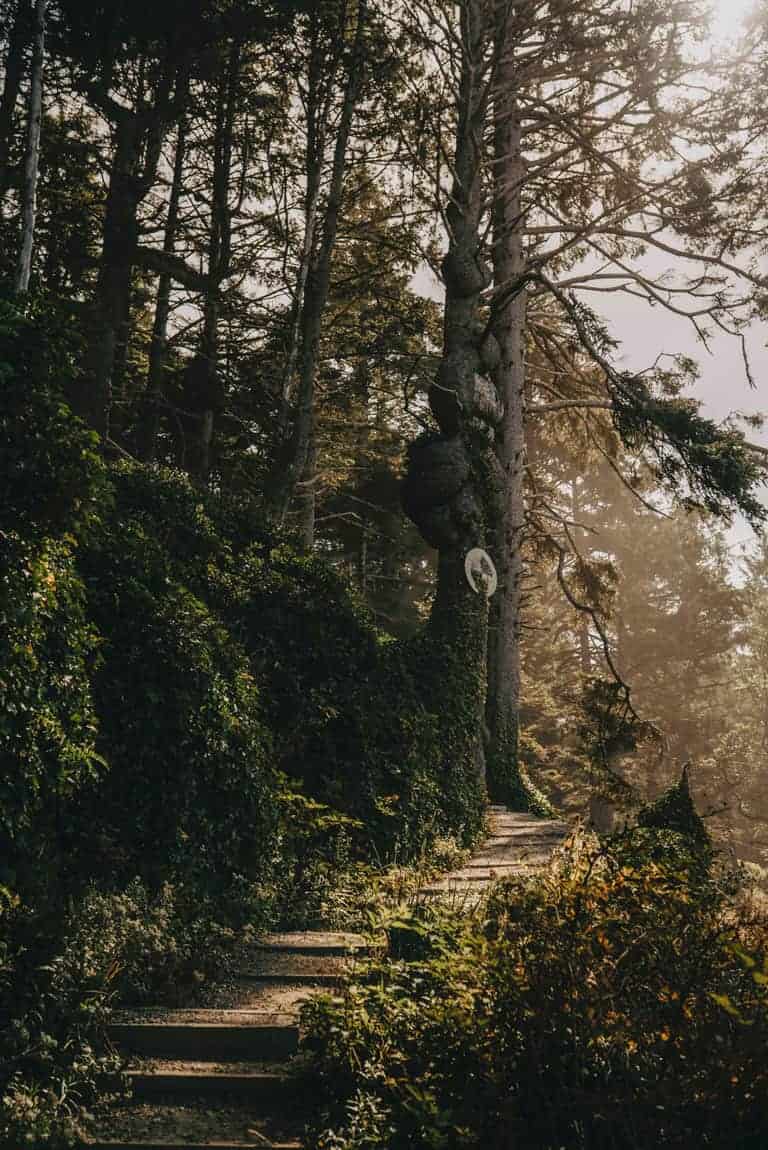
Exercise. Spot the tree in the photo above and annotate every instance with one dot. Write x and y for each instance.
(32, 159)
(330, 62)
(577, 130)
(452, 482)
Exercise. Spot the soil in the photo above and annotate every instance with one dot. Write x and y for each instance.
(197, 1122)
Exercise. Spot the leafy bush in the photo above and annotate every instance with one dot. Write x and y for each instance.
(348, 708)
(191, 789)
(606, 1006)
(51, 476)
(146, 948)
(51, 1067)
(47, 722)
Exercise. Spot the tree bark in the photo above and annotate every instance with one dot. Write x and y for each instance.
(138, 131)
(585, 651)
(503, 706)
(219, 254)
(317, 128)
(307, 495)
(507, 779)
(113, 286)
(159, 345)
(32, 158)
(453, 483)
(18, 39)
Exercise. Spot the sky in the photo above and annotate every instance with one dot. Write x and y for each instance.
(723, 387)
(645, 332)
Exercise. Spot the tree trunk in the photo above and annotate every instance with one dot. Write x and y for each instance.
(291, 460)
(14, 70)
(32, 159)
(507, 779)
(317, 128)
(219, 255)
(159, 345)
(138, 132)
(453, 483)
(307, 495)
(113, 287)
(585, 650)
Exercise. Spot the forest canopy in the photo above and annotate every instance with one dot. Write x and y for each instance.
(301, 303)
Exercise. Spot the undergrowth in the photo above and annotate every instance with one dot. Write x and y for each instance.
(621, 1001)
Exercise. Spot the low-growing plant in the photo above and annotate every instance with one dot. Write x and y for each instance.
(147, 948)
(607, 1005)
(53, 1063)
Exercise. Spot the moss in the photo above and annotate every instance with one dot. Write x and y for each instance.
(509, 782)
(675, 811)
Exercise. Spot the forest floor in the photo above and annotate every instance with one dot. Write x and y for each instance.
(221, 1075)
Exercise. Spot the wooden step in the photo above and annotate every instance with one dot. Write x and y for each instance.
(503, 849)
(318, 943)
(247, 1036)
(191, 1125)
(489, 873)
(290, 969)
(262, 1144)
(192, 1079)
(514, 824)
(472, 887)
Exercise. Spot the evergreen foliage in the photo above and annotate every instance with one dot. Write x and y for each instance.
(706, 465)
(675, 811)
(231, 669)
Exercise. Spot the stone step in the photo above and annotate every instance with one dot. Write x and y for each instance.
(318, 943)
(262, 1144)
(192, 1125)
(491, 868)
(245, 1036)
(513, 824)
(290, 969)
(503, 848)
(524, 818)
(509, 831)
(460, 886)
(512, 841)
(219, 1080)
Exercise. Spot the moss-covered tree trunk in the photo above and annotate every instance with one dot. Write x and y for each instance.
(453, 483)
(507, 779)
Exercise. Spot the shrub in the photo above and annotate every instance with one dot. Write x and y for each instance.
(606, 1006)
(51, 1065)
(348, 708)
(144, 947)
(51, 476)
(47, 721)
(191, 789)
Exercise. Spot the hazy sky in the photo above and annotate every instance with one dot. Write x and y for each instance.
(646, 332)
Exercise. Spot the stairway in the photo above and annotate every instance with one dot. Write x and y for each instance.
(517, 846)
(206, 1078)
(220, 1078)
